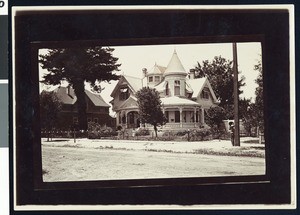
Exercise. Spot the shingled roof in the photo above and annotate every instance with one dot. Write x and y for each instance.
(156, 69)
(67, 96)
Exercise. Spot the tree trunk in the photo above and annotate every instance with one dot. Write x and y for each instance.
(155, 130)
(78, 86)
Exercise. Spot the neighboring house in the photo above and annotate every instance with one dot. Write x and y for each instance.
(184, 97)
(97, 109)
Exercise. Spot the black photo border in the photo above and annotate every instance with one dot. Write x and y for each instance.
(39, 184)
(61, 26)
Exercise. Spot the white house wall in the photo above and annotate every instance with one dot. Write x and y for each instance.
(171, 80)
(118, 102)
(205, 103)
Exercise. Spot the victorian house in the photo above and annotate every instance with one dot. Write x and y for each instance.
(184, 97)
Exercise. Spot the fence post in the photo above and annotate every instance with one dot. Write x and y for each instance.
(74, 134)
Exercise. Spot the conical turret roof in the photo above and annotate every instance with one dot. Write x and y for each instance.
(175, 66)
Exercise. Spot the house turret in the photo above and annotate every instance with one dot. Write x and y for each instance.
(175, 76)
(154, 76)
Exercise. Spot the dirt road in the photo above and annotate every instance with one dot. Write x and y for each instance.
(77, 164)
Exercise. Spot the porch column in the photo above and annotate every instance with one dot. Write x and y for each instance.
(163, 110)
(195, 112)
(117, 119)
(202, 116)
(126, 126)
(180, 110)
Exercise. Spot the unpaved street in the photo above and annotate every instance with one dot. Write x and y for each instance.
(77, 164)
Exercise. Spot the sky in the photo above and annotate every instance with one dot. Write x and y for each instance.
(134, 58)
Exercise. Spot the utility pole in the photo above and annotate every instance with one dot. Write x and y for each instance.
(236, 97)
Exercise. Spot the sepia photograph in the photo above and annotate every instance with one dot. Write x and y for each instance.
(151, 107)
(157, 111)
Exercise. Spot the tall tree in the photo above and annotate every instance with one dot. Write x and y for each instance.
(259, 103)
(214, 118)
(76, 66)
(150, 107)
(50, 106)
(248, 114)
(220, 75)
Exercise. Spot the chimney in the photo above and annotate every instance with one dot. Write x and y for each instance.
(192, 73)
(144, 71)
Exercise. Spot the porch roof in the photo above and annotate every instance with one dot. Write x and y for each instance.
(175, 100)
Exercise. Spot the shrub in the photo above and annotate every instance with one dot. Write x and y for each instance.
(182, 133)
(200, 134)
(142, 132)
(170, 135)
(219, 132)
(96, 131)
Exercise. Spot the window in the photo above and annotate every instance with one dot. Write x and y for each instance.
(177, 116)
(124, 119)
(167, 89)
(124, 93)
(151, 79)
(156, 78)
(205, 93)
(177, 88)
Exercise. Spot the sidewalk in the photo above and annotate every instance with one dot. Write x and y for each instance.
(213, 147)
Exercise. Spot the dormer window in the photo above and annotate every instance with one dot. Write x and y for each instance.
(150, 79)
(205, 93)
(124, 93)
(156, 78)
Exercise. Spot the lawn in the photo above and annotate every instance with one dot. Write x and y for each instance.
(64, 160)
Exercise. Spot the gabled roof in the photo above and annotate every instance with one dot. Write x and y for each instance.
(175, 66)
(198, 84)
(162, 68)
(132, 100)
(68, 97)
(134, 83)
(96, 99)
(156, 69)
(64, 96)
